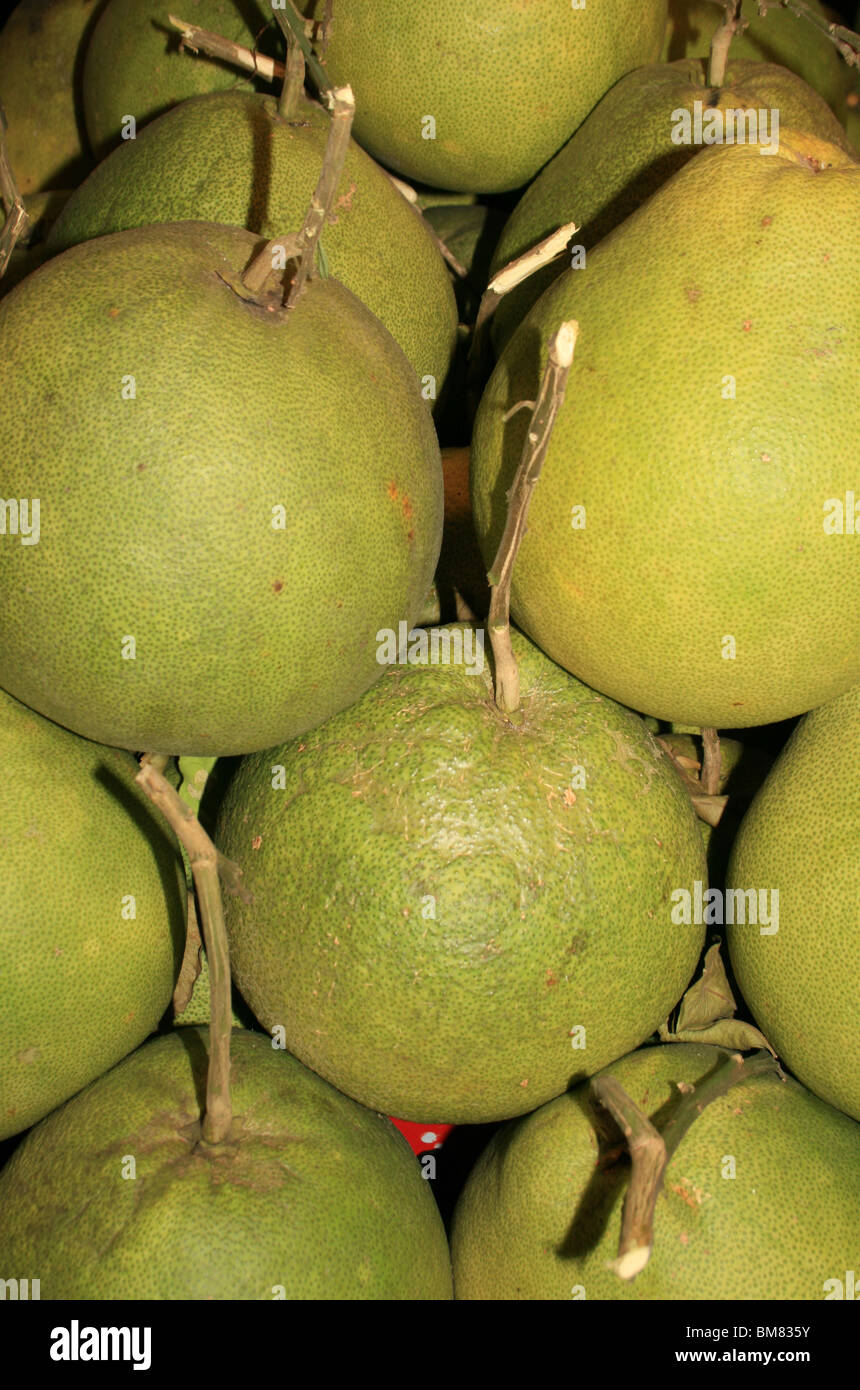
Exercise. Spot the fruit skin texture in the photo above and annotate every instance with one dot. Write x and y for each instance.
(704, 515)
(320, 1197)
(436, 909)
(158, 512)
(82, 982)
(229, 157)
(777, 37)
(802, 836)
(536, 1221)
(498, 117)
(41, 48)
(134, 67)
(635, 120)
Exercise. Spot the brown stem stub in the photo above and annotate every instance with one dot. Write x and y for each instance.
(711, 762)
(198, 40)
(343, 111)
(203, 858)
(549, 402)
(721, 42)
(648, 1159)
(190, 968)
(294, 80)
(652, 1151)
(513, 274)
(301, 247)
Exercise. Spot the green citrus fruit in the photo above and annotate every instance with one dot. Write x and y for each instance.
(631, 143)
(92, 913)
(476, 95)
(487, 911)
(313, 1197)
(135, 68)
(235, 498)
(683, 553)
(230, 157)
(41, 56)
(761, 1199)
(800, 838)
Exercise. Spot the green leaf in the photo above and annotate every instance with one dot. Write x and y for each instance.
(706, 1012)
(727, 1032)
(709, 999)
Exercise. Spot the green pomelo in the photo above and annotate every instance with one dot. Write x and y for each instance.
(454, 914)
(801, 838)
(476, 95)
(92, 913)
(776, 37)
(313, 1197)
(134, 66)
(41, 56)
(230, 157)
(761, 1200)
(632, 142)
(234, 498)
(685, 553)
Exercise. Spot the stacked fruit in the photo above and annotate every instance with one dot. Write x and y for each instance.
(281, 782)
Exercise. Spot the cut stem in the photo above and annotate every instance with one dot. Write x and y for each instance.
(343, 111)
(513, 274)
(292, 23)
(198, 40)
(294, 80)
(721, 42)
(17, 223)
(845, 39)
(648, 1159)
(711, 762)
(547, 406)
(651, 1151)
(302, 248)
(191, 963)
(204, 860)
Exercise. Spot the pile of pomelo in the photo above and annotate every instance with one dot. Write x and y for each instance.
(429, 649)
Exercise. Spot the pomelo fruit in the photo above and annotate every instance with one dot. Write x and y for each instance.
(449, 93)
(761, 1200)
(235, 498)
(454, 914)
(134, 66)
(41, 57)
(312, 1197)
(92, 913)
(801, 837)
(681, 554)
(230, 157)
(776, 37)
(631, 143)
